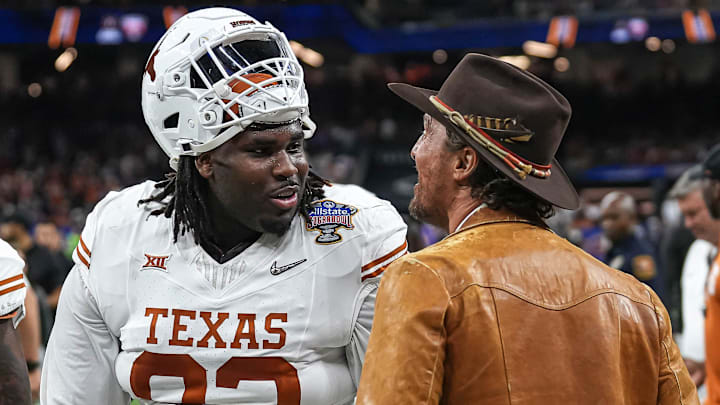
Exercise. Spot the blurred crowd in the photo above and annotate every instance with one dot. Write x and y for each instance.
(451, 11)
(418, 9)
(64, 149)
(669, 245)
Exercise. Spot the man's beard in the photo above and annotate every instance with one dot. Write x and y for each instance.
(417, 210)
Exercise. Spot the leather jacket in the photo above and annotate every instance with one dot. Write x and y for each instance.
(506, 312)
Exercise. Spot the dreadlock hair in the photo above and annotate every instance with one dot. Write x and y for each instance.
(497, 191)
(188, 191)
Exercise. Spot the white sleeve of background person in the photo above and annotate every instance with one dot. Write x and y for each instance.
(79, 365)
(386, 235)
(692, 284)
(79, 361)
(12, 284)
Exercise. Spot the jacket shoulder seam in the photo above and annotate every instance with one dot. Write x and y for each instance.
(675, 376)
(437, 358)
(444, 315)
(502, 347)
(666, 351)
(419, 262)
(570, 304)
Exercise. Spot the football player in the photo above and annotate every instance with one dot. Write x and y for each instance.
(14, 381)
(243, 277)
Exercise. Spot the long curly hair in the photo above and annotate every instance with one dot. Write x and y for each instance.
(497, 191)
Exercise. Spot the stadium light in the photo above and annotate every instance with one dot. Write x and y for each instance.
(307, 55)
(65, 59)
(313, 58)
(539, 49)
(668, 46)
(34, 90)
(521, 61)
(652, 44)
(561, 64)
(440, 56)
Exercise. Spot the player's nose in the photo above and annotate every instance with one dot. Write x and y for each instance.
(284, 167)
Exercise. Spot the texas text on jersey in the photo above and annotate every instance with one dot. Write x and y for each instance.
(286, 321)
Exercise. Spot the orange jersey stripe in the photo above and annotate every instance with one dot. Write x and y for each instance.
(11, 279)
(382, 259)
(9, 316)
(84, 246)
(376, 272)
(82, 259)
(11, 289)
(373, 274)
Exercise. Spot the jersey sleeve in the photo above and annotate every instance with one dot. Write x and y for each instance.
(79, 365)
(82, 255)
(385, 241)
(79, 362)
(405, 355)
(12, 284)
(355, 350)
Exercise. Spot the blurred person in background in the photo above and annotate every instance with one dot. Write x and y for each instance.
(688, 193)
(650, 226)
(674, 246)
(14, 381)
(504, 311)
(586, 232)
(44, 268)
(48, 235)
(711, 195)
(29, 331)
(628, 252)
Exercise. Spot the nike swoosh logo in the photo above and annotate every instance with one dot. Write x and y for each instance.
(274, 270)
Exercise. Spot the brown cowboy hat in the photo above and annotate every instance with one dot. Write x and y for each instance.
(514, 120)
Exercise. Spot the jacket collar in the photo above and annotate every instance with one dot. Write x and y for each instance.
(484, 215)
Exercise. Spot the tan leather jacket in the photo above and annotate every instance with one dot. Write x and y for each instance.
(505, 312)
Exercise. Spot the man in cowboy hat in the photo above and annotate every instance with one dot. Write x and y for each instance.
(503, 311)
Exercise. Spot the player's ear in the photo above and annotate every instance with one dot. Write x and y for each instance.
(203, 164)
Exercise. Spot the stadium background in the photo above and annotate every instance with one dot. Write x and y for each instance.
(642, 77)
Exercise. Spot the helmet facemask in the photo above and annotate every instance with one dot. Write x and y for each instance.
(244, 75)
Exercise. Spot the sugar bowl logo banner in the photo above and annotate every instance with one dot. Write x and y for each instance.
(327, 217)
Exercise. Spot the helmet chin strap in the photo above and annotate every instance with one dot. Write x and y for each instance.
(174, 161)
(309, 127)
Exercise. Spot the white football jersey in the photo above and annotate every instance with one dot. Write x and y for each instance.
(286, 321)
(12, 284)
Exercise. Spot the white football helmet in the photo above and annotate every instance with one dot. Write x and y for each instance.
(215, 72)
